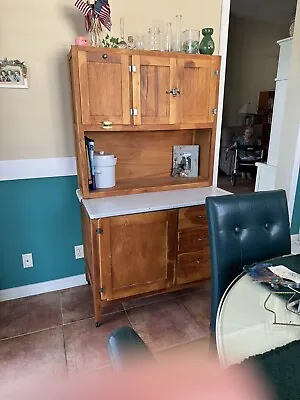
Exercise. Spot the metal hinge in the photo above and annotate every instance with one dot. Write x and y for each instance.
(132, 68)
(217, 72)
(102, 290)
(214, 111)
(99, 231)
(133, 111)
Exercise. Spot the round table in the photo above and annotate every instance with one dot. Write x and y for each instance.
(245, 328)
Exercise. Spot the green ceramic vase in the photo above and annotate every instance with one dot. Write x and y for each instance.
(207, 45)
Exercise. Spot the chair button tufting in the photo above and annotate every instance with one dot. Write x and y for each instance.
(236, 230)
(267, 225)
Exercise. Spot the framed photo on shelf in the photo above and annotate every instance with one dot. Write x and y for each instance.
(13, 74)
(186, 161)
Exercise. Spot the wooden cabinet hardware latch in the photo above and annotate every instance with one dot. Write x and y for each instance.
(99, 231)
(102, 290)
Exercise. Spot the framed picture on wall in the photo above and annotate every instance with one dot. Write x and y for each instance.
(13, 74)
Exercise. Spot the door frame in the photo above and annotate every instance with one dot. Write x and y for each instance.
(223, 42)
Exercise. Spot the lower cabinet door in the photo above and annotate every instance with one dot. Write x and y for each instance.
(137, 253)
(193, 267)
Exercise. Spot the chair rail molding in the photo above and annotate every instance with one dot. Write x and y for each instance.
(37, 168)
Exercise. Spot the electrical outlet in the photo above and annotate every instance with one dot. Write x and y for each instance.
(27, 260)
(79, 251)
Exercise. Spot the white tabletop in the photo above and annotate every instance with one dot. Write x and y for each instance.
(146, 202)
(244, 328)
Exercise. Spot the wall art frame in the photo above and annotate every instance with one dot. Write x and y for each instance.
(13, 74)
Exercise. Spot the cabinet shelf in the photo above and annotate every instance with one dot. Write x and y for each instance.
(142, 128)
(135, 186)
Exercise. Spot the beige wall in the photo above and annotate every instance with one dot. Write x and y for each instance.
(36, 123)
(251, 64)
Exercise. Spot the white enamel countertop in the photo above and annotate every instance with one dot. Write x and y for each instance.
(146, 202)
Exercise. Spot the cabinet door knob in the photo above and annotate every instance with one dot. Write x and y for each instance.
(174, 92)
(104, 56)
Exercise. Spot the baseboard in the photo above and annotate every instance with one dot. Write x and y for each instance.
(43, 287)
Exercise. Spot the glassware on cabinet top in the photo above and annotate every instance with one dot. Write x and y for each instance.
(177, 44)
(95, 32)
(154, 37)
(122, 43)
(140, 42)
(168, 37)
(191, 39)
(131, 43)
(207, 45)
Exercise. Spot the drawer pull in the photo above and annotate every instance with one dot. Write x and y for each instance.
(198, 261)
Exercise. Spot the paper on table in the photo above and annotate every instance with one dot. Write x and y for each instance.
(285, 273)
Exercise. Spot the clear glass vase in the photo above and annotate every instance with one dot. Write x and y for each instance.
(154, 38)
(168, 37)
(95, 32)
(122, 43)
(191, 39)
(177, 43)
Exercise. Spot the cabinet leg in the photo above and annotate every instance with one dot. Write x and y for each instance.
(87, 275)
(97, 307)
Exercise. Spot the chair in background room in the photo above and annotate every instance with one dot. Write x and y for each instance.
(244, 229)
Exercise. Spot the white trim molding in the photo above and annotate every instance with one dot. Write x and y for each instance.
(225, 13)
(42, 287)
(37, 168)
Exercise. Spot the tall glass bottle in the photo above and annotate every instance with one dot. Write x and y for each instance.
(168, 37)
(122, 44)
(177, 44)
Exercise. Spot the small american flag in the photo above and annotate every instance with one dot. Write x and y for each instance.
(83, 7)
(102, 8)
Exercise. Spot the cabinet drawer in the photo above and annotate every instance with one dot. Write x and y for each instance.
(192, 217)
(192, 267)
(190, 240)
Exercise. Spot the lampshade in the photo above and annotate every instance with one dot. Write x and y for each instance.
(247, 109)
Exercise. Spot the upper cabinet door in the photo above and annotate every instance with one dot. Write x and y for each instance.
(153, 77)
(104, 87)
(198, 85)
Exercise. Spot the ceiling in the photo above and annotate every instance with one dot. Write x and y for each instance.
(274, 11)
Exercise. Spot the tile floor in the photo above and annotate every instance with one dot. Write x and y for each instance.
(54, 334)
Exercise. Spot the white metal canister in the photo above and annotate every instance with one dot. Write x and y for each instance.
(104, 164)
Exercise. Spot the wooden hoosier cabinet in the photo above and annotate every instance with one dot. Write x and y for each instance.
(142, 236)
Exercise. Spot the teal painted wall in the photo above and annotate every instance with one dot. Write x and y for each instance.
(296, 211)
(39, 216)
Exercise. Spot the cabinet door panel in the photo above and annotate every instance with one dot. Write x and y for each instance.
(142, 254)
(104, 87)
(192, 267)
(153, 78)
(198, 85)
